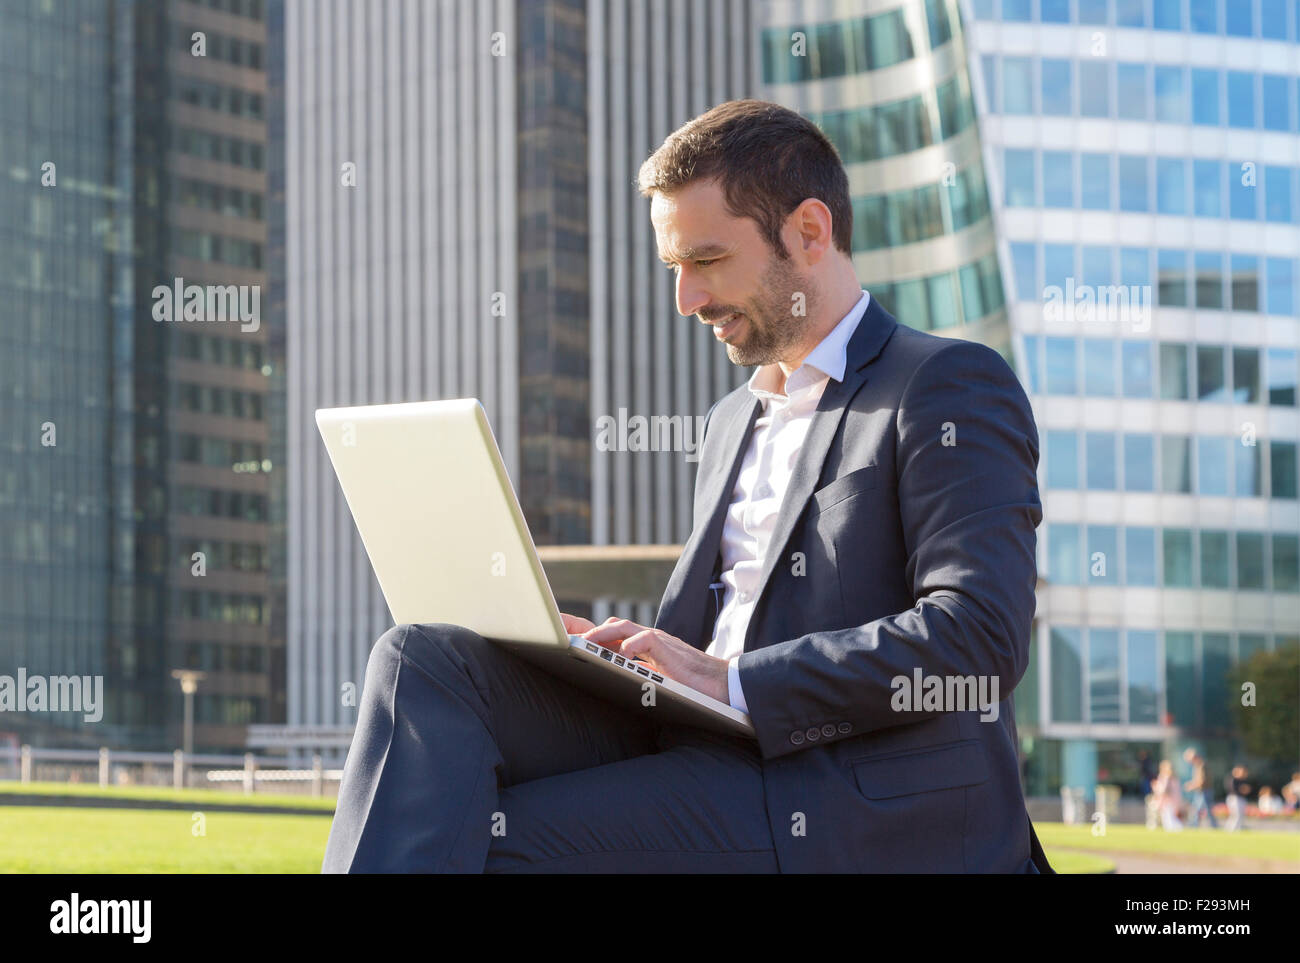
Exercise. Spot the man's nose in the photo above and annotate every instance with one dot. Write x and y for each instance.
(691, 296)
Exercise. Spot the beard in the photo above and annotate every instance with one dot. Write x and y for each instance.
(770, 330)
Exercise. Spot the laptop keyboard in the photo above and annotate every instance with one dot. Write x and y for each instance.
(609, 655)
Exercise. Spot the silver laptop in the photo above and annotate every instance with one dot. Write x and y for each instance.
(442, 526)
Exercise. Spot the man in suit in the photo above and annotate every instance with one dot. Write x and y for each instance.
(862, 564)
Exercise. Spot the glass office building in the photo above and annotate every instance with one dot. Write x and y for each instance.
(130, 158)
(65, 225)
(888, 83)
(1144, 160)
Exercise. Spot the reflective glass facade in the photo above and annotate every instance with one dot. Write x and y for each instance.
(1152, 275)
(891, 91)
(133, 450)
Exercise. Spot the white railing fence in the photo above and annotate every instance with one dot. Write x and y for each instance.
(106, 767)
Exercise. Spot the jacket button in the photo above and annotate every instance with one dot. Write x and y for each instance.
(845, 727)
(813, 733)
(828, 730)
(796, 738)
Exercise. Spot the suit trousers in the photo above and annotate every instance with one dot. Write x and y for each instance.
(468, 759)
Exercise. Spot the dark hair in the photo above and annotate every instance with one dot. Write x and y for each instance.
(768, 159)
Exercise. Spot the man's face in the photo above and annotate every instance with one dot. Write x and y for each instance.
(727, 271)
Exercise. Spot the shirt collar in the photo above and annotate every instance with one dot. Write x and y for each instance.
(828, 359)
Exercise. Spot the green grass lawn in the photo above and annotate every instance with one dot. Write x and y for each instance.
(195, 797)
(1070, 863)
(1249, 843)
(57, 839)
(52, 839)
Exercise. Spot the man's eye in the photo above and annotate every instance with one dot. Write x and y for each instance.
(702, 263)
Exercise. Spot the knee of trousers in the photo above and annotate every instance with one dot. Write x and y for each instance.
(426, 643)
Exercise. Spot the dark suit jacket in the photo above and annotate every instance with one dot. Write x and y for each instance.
(892, 551)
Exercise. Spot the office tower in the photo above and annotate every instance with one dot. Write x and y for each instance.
(650, 68)
(218, 373)
(489, 242)
(1143, 158)
(889, 86)
(130, 161)
(66, 492)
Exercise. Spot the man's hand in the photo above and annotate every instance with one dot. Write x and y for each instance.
(664, 653)
(576, 624)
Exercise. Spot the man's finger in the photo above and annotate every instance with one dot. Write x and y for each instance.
(618, 629)
(641, 645)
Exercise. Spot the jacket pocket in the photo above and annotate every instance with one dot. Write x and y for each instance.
(846, 486)
(940, 767)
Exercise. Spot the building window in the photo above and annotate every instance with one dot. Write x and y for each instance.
(1139, 463)
(1143, 677)
(1098, 364)
(1176, 464)
(1094, 88)
(1100, 461)
(1067, 674)
(1277, 195)
(1136, 360)
(1171, 185)
(1017, 85)
(1093, 11)
(1245, 282)
(1062, 459)
(1216, 662)
(1095, 182)
(1207, 194)
(1282, 469)
(1174, 372)
(1103, 555)
(1061, 377)
(1211, 373)
(1243, 194)
(1286, 563)
(1180, 678)
(1281, 299)
(1205, 97)
(1280, 364)
(1245, 375)
(1065, 552)
(1209, 279)
(1018, 172)
(1247, 470)
(1133, 183)
(1025, 264)
(1103, 675)
(1204, 15)
(1171, 269)
(1241, 99)
(1167, 14)
(1250, 560)
(1140, 556)
(1131, 86)
(1214, 560)
(1275, 102)
(1212, 465)
(1171, 95)
(1056, 87)
(1058, 179)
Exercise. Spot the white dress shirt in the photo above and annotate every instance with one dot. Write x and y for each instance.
(764, 476)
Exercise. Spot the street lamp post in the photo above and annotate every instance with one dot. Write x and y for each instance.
(189, 679)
